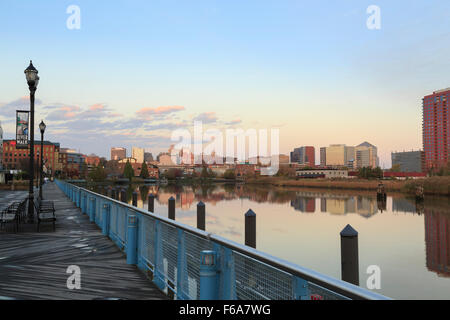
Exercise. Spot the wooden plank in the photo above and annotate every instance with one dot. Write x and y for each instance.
(33, 265)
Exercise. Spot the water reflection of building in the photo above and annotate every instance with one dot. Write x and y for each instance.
(335, 203)
(403, 205)
(304, 204)
(366, 206)
(437, 240)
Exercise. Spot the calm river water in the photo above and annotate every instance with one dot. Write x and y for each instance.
(410, 244)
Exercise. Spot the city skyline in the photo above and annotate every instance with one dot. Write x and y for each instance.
(353, 85)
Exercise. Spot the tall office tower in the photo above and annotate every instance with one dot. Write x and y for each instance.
(323, 156)
(366, 155)
(409, 161)
(435, 128)
(304, 155)
(336, 155)
(138, 154)
(118, 153)
(148, 157)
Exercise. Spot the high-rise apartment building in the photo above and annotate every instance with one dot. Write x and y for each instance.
(304, 155)
(1, 147)
(118, 153)
(435, 128)
(138, 154)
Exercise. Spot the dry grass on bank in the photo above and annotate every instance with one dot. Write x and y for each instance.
(432, 185)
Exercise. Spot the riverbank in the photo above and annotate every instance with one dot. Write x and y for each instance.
(432, 186)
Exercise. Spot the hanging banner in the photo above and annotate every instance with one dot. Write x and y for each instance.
(22, 129)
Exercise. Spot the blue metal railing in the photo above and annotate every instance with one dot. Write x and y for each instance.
(194, 264)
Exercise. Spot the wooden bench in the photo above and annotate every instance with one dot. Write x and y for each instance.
(45, 212)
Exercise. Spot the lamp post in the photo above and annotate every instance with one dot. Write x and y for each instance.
(32, 77)
(42, 128)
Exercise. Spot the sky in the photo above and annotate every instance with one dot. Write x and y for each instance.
(135, 71)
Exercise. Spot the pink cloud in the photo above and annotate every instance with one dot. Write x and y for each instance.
(97, 106)
(159, 110)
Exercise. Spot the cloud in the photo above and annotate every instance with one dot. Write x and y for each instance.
(158, 112)
(65, 112)
(23, 103)
(206, 117)
(233, 122)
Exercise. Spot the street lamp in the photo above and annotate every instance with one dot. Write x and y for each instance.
(42, 128)
(32, 77)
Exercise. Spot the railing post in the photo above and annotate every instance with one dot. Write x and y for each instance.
(182, 278)
(209, 284)
(92, 211)
(349, 255)
(301, 291)
(250, 229)
(151, 203)
(172, 208)
(134, 201)
(123, 196)
(132, 238)
(79, 198)
(84, 203)
(105, 218)
(158, 276)
(201, 216)
(227, 274)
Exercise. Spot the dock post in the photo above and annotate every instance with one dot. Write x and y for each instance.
(349, 255)
(172, 208)
(201, 216)
(134, 202)
(132, 223)
(250, 229)
(105, 219)
(151, 203)
(209, 284)
(92, 209)
(117, 193)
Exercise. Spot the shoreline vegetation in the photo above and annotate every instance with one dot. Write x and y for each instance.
(432, 186)
(436, 185)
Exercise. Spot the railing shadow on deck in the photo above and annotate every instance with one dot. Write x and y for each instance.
(191, 264)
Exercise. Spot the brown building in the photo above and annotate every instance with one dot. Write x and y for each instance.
(92, 160)
(118, 153)
(18, 159)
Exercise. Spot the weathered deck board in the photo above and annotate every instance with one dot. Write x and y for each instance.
(33, 265)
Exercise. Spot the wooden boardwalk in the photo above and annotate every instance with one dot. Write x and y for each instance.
(33, 265)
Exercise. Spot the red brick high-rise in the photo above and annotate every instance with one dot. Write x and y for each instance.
(436, 129)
